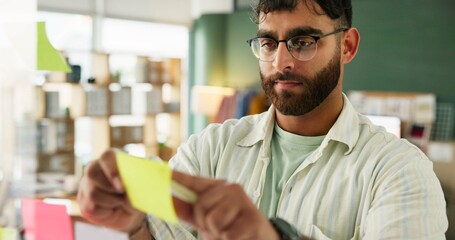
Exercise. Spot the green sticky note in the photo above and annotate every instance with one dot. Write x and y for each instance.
(148, 185)
(47, 57)
(8, 234)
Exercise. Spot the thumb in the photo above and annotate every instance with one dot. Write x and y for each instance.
(110, 169)
(198, 185)
(194, 183)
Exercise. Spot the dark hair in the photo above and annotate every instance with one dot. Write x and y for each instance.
(336, 9)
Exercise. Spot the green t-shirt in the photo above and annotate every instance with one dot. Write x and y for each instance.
(288, 152)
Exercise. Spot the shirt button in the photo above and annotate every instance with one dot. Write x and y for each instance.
(256, 194)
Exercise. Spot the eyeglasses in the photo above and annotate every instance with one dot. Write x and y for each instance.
(302, 48)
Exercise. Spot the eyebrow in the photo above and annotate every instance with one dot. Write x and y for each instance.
(304, 31)
(301, 31)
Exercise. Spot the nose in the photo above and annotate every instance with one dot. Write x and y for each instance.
(284, 61)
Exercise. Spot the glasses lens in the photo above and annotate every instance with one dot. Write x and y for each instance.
(264, 48)
(302, 48)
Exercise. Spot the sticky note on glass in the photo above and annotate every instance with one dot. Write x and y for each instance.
(148, 185)
(8, 234)
(44, 221)
(48, 58)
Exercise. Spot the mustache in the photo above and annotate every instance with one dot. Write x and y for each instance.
(288, 76)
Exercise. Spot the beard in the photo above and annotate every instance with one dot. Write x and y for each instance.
(315, 91)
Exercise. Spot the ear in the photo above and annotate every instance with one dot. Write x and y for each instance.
(350, 45)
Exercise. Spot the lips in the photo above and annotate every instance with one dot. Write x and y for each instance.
(287, 84)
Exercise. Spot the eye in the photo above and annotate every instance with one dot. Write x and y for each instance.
(301, 42)
(267, 44)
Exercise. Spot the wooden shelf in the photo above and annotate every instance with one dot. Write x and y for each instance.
(90, 109)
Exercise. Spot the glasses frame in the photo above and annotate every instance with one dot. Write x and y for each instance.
(315, 38)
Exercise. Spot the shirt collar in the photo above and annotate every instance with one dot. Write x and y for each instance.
(262, 130)
(345, 129)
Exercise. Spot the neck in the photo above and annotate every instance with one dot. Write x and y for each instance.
(317, 122)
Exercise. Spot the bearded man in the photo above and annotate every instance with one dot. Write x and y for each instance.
(309, 167)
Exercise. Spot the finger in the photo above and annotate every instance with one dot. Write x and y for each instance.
(184, 211)
(98, 214)
(129, 207)
(221, 217)
(223, 203)
(108, 216)
(89, 208)
(107, 200)
(196, 184)
(207, 201)
(108, 164)
(85, 203)
(97, 178)
(89, 197)
(239, 230)
(249, 224)
(207, 236)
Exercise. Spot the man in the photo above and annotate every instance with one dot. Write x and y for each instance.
(324, 170)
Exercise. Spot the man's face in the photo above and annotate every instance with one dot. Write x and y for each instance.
(297, 87)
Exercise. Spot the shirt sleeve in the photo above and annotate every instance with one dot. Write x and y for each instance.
(164, 231)
(408, 204)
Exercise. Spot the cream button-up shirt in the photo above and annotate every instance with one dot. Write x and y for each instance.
(360, 183)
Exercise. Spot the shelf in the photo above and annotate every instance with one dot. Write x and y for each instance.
(135, 115)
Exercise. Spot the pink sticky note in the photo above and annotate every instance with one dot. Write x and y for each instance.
(44, 221)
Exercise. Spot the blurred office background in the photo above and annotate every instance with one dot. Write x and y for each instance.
(145, 74)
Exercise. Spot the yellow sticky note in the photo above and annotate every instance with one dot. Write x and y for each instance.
(48, 58)
(8, 234)
(148, 185)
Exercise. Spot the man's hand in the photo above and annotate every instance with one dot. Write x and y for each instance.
(222, 211)
(102, 198)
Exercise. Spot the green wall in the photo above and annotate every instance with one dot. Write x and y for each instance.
(406, 45)
(242, 67)
(207, 59)
(220, 56)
